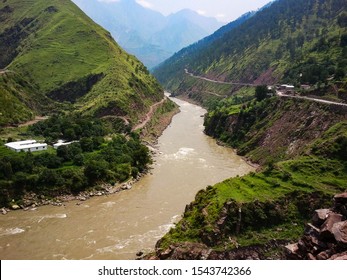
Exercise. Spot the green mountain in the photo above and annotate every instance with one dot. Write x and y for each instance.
(300, 145)
(289, 41)
(56, 48)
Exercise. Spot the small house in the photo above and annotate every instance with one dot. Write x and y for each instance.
(286, 87)
(26, 146)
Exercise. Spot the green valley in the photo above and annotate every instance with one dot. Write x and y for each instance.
(274, 86)
(298, 142)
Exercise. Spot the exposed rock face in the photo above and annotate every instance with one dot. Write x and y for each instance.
(199, 251)
(326, 237)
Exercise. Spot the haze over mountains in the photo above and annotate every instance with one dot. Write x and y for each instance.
(149, 35)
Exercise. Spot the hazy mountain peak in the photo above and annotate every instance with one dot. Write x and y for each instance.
(147, 33)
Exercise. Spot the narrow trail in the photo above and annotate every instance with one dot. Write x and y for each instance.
(218, 82)
(36, 120)
(31, 122)
(278, 92)
(149, 115)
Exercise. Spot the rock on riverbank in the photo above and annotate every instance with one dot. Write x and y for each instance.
(325, 238)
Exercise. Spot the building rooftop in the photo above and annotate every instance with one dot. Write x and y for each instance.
(25, 144)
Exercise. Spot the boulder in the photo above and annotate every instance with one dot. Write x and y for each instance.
(323, 256)
(139, 254)
(341, 203)
(166, 254)
(339, 230)
(15, 207)
(312, 230)
(319, 216)
(326, 228)
(340, 256)
(292, 251)
(341, 198)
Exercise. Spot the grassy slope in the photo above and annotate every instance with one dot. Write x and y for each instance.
(284, 197)
(277, 201)
(13, 97)
(59, 45)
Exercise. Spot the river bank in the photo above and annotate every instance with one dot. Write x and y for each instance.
(117, 226)
(149, 133)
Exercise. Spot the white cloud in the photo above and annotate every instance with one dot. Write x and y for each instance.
(201, 12)
(220, 16)
(144, 3)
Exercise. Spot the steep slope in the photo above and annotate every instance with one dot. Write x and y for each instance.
(19, 101)
(171, 72)
(255, 216)
(149, 35)
(57, 48)
(293, 41)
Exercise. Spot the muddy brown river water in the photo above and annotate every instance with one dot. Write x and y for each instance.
(117, 226)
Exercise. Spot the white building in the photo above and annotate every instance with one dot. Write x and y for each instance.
(26, 146)
(287, 87)
(62, 143)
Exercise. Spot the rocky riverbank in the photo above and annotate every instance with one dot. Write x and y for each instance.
(149, 134)
(325, 238)
(31, 200)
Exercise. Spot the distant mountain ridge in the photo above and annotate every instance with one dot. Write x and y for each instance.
(292, 41)
(149, 35)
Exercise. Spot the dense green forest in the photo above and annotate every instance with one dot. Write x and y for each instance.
(88, 162)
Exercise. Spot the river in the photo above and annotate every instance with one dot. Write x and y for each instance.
(117, 226)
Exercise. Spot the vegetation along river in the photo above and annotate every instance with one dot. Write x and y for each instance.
(117, 226)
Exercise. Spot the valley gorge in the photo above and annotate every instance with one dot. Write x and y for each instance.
(245, 160)
(185, 161)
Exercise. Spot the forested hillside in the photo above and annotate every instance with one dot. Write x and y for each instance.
(289, 41)
(55, 61)
(67, 57)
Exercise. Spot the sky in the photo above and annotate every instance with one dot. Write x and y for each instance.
(223, 10)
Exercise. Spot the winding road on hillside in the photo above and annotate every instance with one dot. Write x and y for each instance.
(278, 92)
(281, 94)
(218, 82)
(149, 115)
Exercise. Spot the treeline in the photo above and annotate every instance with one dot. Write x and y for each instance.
(88, 162)
(304, 40)
(75, 127)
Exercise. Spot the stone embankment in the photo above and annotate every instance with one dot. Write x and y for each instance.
(325, 238)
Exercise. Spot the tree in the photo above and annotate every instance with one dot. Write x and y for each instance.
(96, 170)
(261, 92)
